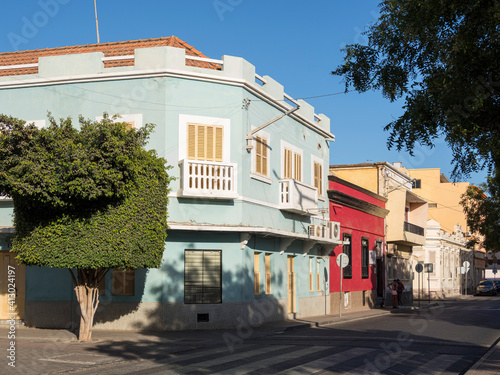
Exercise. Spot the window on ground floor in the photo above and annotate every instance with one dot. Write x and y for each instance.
(311, 287)
(202, 276)
(348, 252)
(256, 273)
(268, 273)
(123, 282)
(364, 258)
(318, 276)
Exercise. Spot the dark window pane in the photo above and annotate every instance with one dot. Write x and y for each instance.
(202, 276)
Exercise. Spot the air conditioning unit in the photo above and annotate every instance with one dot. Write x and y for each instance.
(312, 230)
(319, 231)
(334, 230)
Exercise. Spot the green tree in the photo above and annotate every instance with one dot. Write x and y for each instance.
(88, 200)
(443, 58)
(482, 209)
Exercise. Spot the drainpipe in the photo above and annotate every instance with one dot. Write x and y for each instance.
(251, 133)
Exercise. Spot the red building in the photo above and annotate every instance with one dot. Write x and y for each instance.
(361, 214)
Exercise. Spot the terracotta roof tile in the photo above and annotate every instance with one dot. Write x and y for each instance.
(109, 49)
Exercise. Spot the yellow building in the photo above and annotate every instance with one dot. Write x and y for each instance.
(444, 207)
(443, 197)
(407, 218)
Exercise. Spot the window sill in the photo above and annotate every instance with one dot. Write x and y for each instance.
(261, 178)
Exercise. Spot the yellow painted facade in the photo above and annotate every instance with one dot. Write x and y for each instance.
(443, 197)
(366, 177)
(394, 183)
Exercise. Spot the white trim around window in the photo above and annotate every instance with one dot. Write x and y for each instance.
(253, 174)
(204, 120)
(135, 119)
(295, 150)
(316, 159)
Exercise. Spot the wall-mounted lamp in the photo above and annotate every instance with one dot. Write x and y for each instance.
(249, 145)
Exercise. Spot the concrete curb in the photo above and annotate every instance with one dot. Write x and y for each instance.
(483, 362)
(24, 333)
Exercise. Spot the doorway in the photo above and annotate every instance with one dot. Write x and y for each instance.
(291, 284)
(12, 286)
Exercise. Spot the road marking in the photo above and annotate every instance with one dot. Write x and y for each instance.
(233, 357)
(436, 365)
(77, 359)
(382, 362)
(331, 360)
(249, 367)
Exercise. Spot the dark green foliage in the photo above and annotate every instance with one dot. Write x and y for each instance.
(443, 57)
(483, 213)
(90, 198)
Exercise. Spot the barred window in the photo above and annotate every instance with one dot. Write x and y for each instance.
(348, 252)
(202, 276)
(364, 258)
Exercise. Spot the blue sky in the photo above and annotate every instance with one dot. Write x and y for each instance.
(297, 43)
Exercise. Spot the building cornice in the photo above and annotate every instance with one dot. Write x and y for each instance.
(357, 187)
(341, 198)
(248, 229)
(37, 81)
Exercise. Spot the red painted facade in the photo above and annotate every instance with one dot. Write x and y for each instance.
(356, 210)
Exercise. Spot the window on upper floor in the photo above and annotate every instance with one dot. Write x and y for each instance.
(202, 276)
(204, 138)
(40, 124)
(291, 162)
(261, 148)
(416, 184)
(204, 142)
(317, 174)
(261, 157)
(130, 120)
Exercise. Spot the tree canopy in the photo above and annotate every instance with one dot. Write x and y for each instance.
(482, 208)
(89, 199)
(443, 58)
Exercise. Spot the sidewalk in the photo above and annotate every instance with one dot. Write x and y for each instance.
(489, 364)
(201, 336)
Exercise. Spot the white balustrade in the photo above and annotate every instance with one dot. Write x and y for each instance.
(206, 179)
(297, 197)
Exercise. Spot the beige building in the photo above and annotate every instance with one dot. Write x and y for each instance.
(407, 218)
(447, 252)
(444, 207)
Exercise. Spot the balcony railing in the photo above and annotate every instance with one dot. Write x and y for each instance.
(205, 179)
(412, 228)
(297, 197)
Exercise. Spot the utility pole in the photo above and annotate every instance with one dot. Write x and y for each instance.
(96, 22)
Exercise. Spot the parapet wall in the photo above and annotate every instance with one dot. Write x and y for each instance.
(159, 60)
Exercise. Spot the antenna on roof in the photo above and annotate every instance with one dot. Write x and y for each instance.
(96, 22)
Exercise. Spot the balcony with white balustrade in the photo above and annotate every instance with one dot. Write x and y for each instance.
(297, 197)
(207, 179)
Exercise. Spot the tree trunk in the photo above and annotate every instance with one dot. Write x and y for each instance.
(87, 295)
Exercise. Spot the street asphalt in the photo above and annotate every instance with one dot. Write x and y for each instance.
(488, 364)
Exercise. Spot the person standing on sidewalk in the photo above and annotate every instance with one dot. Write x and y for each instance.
(399, 288)
(394, 292)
